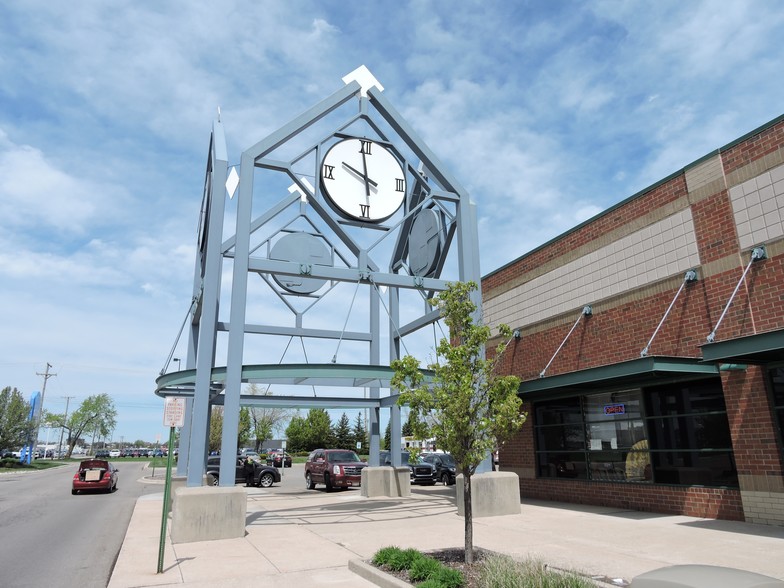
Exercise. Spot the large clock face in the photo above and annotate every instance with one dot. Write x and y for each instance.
(363, 180)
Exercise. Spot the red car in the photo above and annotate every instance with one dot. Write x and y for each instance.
(335, 468)
(95, 474)
(279, 460)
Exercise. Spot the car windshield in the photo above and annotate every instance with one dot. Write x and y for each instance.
(447, 459)
(343, 456)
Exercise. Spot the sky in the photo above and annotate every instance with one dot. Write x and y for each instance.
(546, 112)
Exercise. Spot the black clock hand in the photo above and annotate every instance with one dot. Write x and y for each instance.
(361, 175)
(364, 167)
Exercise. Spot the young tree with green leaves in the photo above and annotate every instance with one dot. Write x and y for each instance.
(96, 413)
(467, 406)
(15, 427)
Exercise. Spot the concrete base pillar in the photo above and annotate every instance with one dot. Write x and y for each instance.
(176, 482)
(492, 494)
(206, 513)
(386, 481)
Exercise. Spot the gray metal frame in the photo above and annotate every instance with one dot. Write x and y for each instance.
(206, 384)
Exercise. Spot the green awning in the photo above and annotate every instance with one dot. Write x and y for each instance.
(764, 348)
(645, 371)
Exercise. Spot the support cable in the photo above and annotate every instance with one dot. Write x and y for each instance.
(691, 276)
(345, 323)
(587, 311)
(177, 339)
(757, 254)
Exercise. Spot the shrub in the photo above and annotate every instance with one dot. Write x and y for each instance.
(384, 555)
(405, 559)
(423, 568)
(448, 578)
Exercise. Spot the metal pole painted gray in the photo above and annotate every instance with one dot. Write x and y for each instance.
(210, 293)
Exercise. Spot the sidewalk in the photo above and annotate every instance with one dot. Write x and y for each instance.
(296, 538)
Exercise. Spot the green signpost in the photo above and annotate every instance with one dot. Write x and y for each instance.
(173, 416)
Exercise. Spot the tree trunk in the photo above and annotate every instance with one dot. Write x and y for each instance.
(469, 526)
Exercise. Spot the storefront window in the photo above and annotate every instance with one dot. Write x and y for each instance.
(689, 435)
(668, 435)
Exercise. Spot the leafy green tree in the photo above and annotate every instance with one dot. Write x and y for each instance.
(467, 407)
(96, 413)
(359, 435)
(216, 428)
(244, 427)
(320, 428)
(311, 432)
(15, 428)
(297, 434)
(387, 442)
(342, 434)
(407, 430)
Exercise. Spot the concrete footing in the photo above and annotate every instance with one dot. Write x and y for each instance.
(207, 512)
(386, 481)
(492, 494)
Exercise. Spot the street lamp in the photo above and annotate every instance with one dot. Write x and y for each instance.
(177, 359)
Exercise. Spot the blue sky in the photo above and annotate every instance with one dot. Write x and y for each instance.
(547, 112)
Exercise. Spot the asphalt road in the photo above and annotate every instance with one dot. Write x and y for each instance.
(50, 538)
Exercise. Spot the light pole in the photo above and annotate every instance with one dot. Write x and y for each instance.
(177, 359)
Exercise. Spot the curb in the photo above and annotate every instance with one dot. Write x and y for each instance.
(373, 574)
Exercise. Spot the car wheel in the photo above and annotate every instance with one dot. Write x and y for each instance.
(445, 479)
(309, 482)
(74, 492)
(266, 479)
(328, 482)
(214, 479)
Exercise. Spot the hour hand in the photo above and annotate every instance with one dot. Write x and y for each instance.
(362, 176)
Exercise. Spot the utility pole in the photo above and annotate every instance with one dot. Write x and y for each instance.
(46, 376)
(65, 420)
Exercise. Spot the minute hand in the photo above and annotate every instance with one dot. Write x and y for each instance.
(361, 175)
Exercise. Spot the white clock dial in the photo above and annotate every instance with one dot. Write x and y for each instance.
(363, 180)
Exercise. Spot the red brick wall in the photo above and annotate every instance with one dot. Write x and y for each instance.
(620, 329)
(751, 423)
(759, 145)
(655, 198)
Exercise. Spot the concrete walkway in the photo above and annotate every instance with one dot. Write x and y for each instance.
(306, 538)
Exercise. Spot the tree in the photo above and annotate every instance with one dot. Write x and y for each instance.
(341, 432)
(244, 427)
(216, 428)
(96, 413)
(467, 407)
(264, 421)
(312, 432)
(297, 434)
(387, 442)
(359, 435)
(15, 427)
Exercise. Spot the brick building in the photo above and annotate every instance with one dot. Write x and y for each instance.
(629, 404)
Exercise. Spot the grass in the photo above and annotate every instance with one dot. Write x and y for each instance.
(37, 464)
(501, 571)
(494, 571)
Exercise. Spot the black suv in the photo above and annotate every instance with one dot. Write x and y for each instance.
(421, 471)
(264, 476)
(446, 468)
